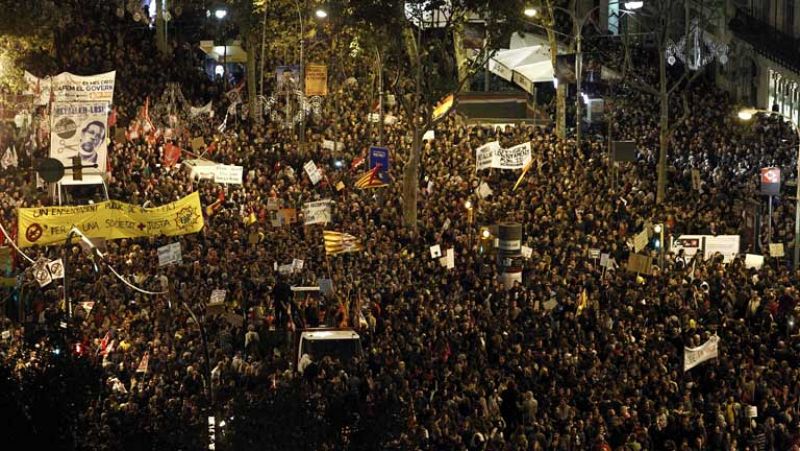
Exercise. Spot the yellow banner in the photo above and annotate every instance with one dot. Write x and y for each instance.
(109, 220)
(316, 80)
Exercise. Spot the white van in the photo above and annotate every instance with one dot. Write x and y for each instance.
(343, 344)
(92, 189)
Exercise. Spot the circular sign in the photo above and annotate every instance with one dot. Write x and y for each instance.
(65, 128)
(33, 233)
(50, 170)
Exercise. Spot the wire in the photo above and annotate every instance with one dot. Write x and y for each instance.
(14, 245)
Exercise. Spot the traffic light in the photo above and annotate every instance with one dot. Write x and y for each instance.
(77, 173)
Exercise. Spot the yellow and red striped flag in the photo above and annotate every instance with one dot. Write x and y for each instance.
(371, 179)
(340, 243)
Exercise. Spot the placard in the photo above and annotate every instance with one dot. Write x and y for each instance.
(379, 155)
(218, 296)
(640, 241)
(483, 191)
(316, 80)
(436, 251)
(776, 250)
(228, 174)
(526, 251)
(318, 212)
(753, 261)
(313, 172)
(171, 253)
(639, 264)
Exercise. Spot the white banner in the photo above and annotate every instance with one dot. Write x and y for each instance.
(491, 155)
(80, 129)
(695, 356)
(228, 173)
(319, 212)
(514, 157)
(313, 172)
(67, 87)
(171, 253)
(205, 109)
(484, 155)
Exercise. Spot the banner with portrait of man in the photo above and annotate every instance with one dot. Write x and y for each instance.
(80, 129)
(288, 79)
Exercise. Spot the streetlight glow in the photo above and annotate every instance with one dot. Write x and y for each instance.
(220, 13)
(468, 205)
(633, 5)
(531, 12)
(746, 114)
(486, 233)
(321, 13)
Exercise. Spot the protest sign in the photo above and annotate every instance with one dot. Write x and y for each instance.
(316, 80)
(319, 212)
(484, 155)
(171, 253)
(430, 135)
(639, 264)
(110, 220)
(379, 155)
(218, 296)
(640, 241)
(313, 172)
(436, 251)
(327, 144)
(727, 245)
(56, 268)
(79, 129)
(483, 190)
(449, 259)
(753, 261)
(41, 273)
(228, 174)
(776, 250)
(526, 251)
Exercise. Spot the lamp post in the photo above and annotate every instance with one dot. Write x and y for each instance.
(747, 114)
(220, 14)
(302, 76)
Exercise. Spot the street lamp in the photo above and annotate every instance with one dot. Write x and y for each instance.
(321, 13)
(746, 114)
(531, 12)
(631, 6)
(220, 13)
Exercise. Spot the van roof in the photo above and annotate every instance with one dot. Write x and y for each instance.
(330, 335)
(88, 179)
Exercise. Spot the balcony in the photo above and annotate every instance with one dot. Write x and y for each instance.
(767, 40)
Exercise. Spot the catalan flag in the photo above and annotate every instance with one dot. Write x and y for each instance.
(371, 179)
(339, 243)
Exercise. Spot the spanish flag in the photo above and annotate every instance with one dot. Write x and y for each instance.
(371, 179)
(583, 301)
(340, 243)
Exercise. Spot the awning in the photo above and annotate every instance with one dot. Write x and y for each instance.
(505, 61)
(233, 53)
(540, 72)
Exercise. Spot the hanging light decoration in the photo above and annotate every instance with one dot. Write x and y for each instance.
(696, 49)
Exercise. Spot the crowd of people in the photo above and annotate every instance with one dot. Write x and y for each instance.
(452, 358)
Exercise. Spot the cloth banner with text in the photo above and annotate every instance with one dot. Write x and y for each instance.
(110, 220)
(492, 155)
(695, 356)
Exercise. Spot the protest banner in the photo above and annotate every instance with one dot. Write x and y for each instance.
(316, 80)
(492, 155)
(695, 356)
(328, 144)
(228, 174)
(171, 253)
(484, 155)
(313, 172)
(80, 129)
(319, 212)
(67, 87)
(110, 220)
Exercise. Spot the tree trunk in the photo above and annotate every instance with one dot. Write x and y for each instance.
(411, 183)
(252, 86)
(663, 130)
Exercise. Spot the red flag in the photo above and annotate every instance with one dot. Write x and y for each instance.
(358, 161)
(172, 154)
(104, 344)
(211, 147)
